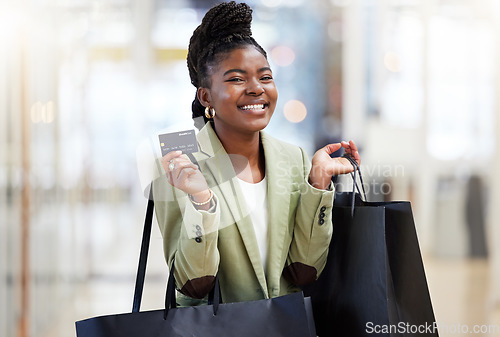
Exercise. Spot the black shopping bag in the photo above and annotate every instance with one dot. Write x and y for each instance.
(287, 316)
(374, 281)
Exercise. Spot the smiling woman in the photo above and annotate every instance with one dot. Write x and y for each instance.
(253, 211)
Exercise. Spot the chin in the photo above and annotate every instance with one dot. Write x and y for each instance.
(259, 125)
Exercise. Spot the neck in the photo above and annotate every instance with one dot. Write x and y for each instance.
(245, 152)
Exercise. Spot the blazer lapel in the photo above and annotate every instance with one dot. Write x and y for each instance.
(226, 186)
(279, 188)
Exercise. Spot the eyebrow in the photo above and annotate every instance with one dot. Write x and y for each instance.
(244, 71)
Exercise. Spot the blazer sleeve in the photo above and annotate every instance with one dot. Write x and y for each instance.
(312, 232)
(189, 236)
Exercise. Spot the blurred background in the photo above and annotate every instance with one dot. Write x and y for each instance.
(85, 83)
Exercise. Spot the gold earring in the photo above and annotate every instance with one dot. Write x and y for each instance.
(209, 112)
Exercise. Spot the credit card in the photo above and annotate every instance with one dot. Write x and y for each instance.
(184, 141)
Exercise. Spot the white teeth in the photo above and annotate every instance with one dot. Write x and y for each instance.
(253, 107)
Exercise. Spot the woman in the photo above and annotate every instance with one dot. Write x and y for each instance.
(255, 212)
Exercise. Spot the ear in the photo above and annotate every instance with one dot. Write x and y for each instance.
(204, 96)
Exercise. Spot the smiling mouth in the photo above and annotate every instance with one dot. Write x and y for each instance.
(253, 107)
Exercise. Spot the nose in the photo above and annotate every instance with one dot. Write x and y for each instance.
(255, 88)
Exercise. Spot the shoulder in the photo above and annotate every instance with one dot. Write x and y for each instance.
(280, 148)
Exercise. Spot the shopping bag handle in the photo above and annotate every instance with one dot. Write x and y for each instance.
(357, 170)
(214, 297)
(143, 257)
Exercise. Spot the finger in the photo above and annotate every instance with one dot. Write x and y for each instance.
(357, 157)
(347, 166)
(183, 159)
(355, 152)
(184, 175)
(331, 148)
(176, 162)
(168, 166)
(170, 179)
(171, 155)
(347, 148)
(350, 148)
(191, 172)
(183, 166)
(353, 146)
(168, 159)
(168, 172)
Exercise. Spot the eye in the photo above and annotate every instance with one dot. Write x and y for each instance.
(235, 79)
(266, 78)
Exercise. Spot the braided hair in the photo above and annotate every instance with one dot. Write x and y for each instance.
(224, 28)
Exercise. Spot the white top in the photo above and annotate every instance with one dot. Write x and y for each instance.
(256, 199)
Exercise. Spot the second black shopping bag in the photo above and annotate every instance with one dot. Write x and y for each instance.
(374, 281)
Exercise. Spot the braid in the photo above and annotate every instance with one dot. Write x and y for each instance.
(224, 28)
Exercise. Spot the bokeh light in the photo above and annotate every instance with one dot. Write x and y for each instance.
(283, 55)
(392, 62)
(295, 111)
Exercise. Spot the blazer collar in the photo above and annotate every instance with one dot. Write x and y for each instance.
(208, 141)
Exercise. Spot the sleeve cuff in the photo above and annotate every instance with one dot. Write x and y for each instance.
(330, 188)
(199, 223)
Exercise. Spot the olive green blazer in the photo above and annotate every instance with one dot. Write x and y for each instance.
(222, 240)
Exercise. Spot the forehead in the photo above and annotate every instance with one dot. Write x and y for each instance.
(245, 58)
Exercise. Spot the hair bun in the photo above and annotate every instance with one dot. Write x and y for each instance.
(228, 19)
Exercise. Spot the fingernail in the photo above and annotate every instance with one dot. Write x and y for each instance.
(178, 152)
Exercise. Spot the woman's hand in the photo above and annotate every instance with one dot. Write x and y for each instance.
(185, 175)
(324, 167)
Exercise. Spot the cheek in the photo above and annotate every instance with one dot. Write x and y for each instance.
(228, 94)
(272, 92)
(225, 101)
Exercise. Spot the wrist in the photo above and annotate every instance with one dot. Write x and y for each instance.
(319, 185)
(201, 198)
(320, 176)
